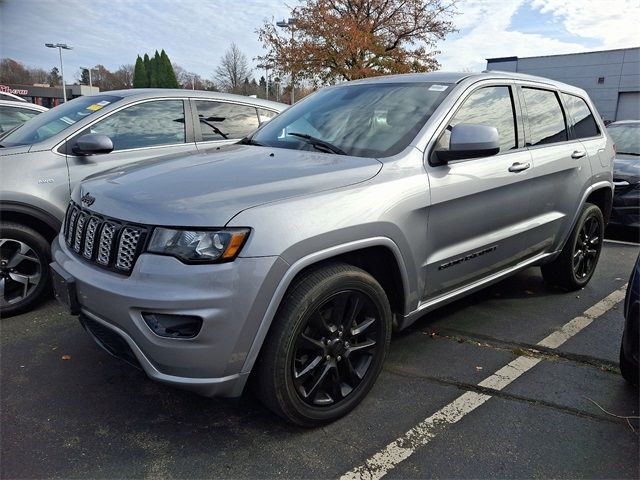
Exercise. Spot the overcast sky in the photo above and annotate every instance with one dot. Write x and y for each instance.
(195, 33)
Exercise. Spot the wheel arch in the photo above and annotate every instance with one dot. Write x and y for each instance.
(41, 221)
(359, 253)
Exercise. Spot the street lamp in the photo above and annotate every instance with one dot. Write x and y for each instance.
(290, 24)
(266, 67)
(60, 47)
(89, 70)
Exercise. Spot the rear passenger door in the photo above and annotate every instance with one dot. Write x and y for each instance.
(479, 206)
(222, 123)
(560, 168)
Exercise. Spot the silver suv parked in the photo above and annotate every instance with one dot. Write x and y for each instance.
(43, 160)
(288, 259)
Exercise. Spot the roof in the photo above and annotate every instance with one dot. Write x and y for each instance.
(457, 77)
(17, 104)
(511, 59)
(177, 92)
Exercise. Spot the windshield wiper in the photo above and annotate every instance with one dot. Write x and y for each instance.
(628, 153)
(319, 144)
(250, 141)
(214, 128)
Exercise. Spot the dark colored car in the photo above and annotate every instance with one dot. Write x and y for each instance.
(630, 340)
(626, 173)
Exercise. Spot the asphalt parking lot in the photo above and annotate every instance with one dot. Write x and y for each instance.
(70, 410)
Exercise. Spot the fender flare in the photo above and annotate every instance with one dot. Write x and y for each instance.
(29, 210)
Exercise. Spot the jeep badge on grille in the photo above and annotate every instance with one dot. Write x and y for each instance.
(87, 199)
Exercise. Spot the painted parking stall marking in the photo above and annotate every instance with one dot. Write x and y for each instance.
(403, 447)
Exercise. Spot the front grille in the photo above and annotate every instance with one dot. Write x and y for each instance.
(106, 242)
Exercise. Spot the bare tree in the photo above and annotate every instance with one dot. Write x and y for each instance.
(233, 70)
(123, 77)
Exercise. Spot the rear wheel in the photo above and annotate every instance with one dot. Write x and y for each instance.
(326, 347)
(577, 262)
(24, 268)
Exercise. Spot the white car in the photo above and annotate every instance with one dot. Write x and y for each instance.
(14, 113)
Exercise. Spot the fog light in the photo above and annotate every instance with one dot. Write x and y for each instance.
(173, 326)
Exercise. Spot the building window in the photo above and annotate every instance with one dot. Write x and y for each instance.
(600, 80)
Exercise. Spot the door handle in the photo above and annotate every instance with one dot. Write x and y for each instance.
(578, 154)
(519, 167)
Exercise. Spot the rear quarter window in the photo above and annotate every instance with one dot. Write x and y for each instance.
(581, 118)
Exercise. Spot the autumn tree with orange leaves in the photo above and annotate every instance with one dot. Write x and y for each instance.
(337, 40)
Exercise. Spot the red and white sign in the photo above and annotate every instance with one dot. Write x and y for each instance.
(15, 91)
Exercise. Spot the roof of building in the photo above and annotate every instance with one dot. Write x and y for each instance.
(513, 59)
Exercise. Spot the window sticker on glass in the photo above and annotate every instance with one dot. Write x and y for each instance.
(94, 107)
(103, 103)
(438, 88)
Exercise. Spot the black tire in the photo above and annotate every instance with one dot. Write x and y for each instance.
(24, 257)
(343, 372)
(577, 262)
(628, 370)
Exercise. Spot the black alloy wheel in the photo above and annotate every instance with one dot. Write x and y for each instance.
(24, 268)
(336, 348)
(587, 248)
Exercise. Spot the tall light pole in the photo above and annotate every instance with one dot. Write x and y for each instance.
(89, 70)
(60, 47)
(266, 67)
(290, 24)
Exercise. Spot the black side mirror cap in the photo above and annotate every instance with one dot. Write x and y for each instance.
(93, 144)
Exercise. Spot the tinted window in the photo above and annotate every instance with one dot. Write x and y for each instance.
(47, 124)
(491, 106)
(266, 115)
(367, 119)
(221, 120)
(584, 125)
(147, 124)
(626, 136)
(11, 117)
(546, 120)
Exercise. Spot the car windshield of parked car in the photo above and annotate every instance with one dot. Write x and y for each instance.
(365, 120)
(48, 124)
(626, 136)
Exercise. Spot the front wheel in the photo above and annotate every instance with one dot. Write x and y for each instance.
(326, 347)
(24, 268)
(577, 262)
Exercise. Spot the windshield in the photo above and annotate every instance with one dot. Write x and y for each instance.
(626, 136)
(365, 120)
(47, 124)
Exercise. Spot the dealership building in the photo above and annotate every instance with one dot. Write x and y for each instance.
(48, 96)
(610, 77)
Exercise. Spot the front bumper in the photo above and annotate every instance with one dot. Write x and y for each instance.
(231, 299)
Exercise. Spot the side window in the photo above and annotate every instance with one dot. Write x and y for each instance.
(491, 106)
(11, 117)
(147, 124)
(584, 125)
(222, 120)
(266, 115)
(546, 120)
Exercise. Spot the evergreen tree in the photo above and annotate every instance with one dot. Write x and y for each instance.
(170, 80)
(54, 77)
(147, 69)
(156, 73)
(84, 76)
(140, 79)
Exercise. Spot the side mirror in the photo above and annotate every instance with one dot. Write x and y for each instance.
(470, 141)
(93, 144)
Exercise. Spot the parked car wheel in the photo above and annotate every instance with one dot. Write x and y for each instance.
(24, 268)
(326, 347)
(628, 370)
(575, 266)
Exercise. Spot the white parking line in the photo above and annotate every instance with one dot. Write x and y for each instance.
(402, 448)
(621, 242)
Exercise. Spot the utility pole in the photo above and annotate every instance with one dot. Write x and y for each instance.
(290, 24)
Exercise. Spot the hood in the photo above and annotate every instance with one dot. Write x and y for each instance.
(627, 167)
(209, 188)
(6, 151)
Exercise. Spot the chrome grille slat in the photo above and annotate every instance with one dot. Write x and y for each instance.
(127, 248)
(77, 237)
(106, 241)
(71, 225)
(92, 227)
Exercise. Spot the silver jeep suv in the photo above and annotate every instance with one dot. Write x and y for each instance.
(288, 259)
(44, 159)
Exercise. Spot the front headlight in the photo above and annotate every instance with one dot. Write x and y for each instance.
(199, 246)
